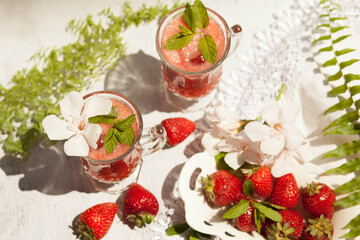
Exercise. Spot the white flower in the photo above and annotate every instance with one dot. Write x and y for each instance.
(222, 138)
(279, 132)
(75, 127)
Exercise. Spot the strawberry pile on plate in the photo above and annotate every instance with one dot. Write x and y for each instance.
(256, 201)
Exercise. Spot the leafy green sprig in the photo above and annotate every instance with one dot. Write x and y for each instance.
(346, 91)
(54, 72)
(120, 131)
(180, 228)
(195, 17)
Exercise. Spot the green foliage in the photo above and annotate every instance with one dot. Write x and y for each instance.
(36, 91)
(348, 123)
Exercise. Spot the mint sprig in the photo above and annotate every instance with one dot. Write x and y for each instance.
(195, 17)
(121, 130)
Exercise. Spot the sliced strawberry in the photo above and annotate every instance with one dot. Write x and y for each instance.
(178, 129)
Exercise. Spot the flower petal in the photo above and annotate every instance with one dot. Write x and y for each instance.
(96, 105)
(224, 114)
(293, 136)
(76, 146)
(285, 163)
(257, 131)
(56, 128)
(289, 113)
(232, 159)
(272, 146)
(209, 142)
(71, 106)
(270, 112)
(92, 133)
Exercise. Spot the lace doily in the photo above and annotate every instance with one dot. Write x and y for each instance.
(278, 57)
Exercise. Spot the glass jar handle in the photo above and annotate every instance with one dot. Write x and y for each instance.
(236, 33)
(153, 139)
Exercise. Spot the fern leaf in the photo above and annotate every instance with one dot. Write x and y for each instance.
(338, 90)
(357, 104)
(326, 49)
(348, 63)
(355, 222)
(344, 51)
(324, 15)
(336, 29)
(352, 233)
(327, 25)
(330, 62)
(349, 187)
(351, 129)
(339, 39)
(322, 38)
(345, 149)
(343, 104)
(336, 76)
(337, 18)
(354, 90)
(352, 165)
(349, 201)
(350, 77)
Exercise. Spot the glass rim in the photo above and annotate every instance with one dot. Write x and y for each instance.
(136, 140)
(215, 65)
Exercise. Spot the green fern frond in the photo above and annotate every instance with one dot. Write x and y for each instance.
(348, 123)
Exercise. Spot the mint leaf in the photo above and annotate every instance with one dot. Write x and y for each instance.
(107, 119)
(200, 15)
(178, 41)
(185, 31)
(193, 235)
(125, 123)
(177, 229)
(237, 210)
(208, 48)
(188, 18)
(110, 141)
(268, 212)
(126, 136)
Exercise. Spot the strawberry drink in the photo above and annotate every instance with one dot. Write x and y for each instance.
(114, 166)
(192, 51)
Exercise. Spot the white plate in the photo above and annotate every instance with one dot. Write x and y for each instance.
(198, 213)
(203, 218)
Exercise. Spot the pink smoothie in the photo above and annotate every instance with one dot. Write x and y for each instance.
(189, 58)
(100, 154)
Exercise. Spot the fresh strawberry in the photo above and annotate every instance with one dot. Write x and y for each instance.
(177, 129)
(140, 205)
(291, 226)
(286, 191)
(318, 229)
(222, 188)
(96, 221)
(317, 199)
(246, 222)
(262, 180)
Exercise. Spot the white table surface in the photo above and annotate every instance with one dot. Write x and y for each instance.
(41, 197)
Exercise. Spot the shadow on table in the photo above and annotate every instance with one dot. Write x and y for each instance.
(138, 77)
(49, 171)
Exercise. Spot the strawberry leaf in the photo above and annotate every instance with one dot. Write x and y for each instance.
(237, 210)
(177, 229)
(248, 187)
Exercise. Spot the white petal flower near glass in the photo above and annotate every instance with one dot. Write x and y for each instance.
(75, 127)
(273, 139)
